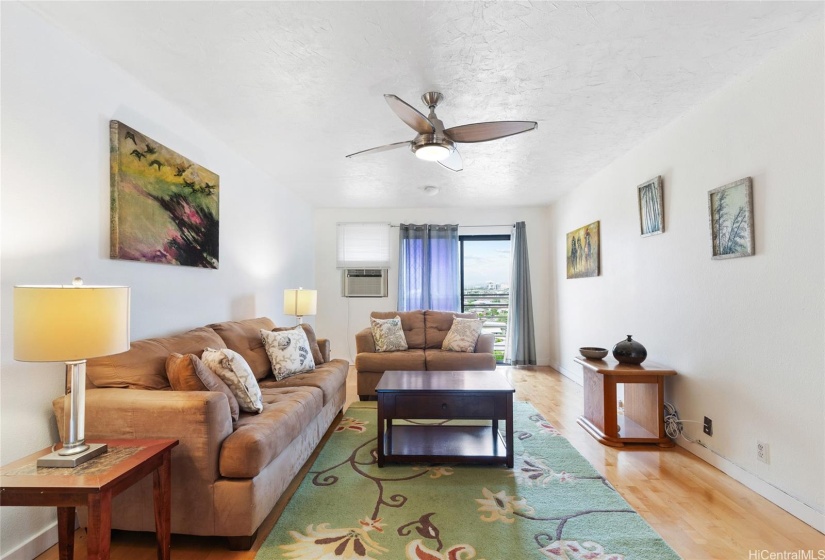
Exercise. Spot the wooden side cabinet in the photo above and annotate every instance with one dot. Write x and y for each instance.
(643, 418)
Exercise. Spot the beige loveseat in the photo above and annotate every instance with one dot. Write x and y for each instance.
(425, 332)
(226, 477)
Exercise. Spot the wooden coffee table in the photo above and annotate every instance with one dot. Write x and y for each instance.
(444, 395)
(93, 484)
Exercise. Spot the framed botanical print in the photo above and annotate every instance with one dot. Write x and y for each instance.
(651, 207)
(730, 210)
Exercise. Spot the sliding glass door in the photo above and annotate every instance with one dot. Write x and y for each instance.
(485, 283)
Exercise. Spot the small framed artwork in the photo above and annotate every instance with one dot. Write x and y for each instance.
(730, 209)
(651, 207)
(583, 251)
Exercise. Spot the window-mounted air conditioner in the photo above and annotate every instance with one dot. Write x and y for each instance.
(364, 282)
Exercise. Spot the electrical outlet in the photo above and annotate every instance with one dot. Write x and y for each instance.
(762, 452)
(708, 427)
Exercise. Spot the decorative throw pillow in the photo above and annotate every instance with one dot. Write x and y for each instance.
(388, 334)
(189, 373)
(463, 335)
(288, 351)
(235, 372)
(317, 357)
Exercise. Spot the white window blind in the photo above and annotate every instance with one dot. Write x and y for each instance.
(364, 245)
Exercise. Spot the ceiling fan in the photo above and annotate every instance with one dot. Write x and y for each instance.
(435, 143)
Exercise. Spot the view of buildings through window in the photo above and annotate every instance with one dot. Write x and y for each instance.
(485, 283)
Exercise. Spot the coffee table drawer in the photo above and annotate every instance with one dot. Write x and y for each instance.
(444, 406)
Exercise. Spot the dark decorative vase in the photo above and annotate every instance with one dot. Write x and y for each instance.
(629, 351)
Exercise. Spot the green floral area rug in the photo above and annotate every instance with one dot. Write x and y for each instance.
(552, 504)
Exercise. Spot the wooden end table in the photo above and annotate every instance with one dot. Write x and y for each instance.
(643, 419)
(444, 395)
(94, 484)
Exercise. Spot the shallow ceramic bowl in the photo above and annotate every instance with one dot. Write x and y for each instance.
(593, 352)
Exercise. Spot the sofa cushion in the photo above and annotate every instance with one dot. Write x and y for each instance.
(438, 324)
(259, 438)
(288, 352)
(412, 322)
(412, 360)
(388, 334)
(445, 360)
(463, 335)
(244, 337)
(328, 377)
(234, 371)
(143, 366)
(189, 373)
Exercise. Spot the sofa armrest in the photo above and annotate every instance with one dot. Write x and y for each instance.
(200, 420)
(323, 345)
(364, 342)
(484, 344)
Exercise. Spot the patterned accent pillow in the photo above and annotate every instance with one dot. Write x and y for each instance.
(236, 373)
(463, 335)
(311, 338)
(288, 351)
(189, 373)
(388, 334)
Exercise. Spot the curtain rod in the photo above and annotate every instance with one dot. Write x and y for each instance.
(459, 225)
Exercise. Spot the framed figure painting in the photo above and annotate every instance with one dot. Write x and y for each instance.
(583, 251)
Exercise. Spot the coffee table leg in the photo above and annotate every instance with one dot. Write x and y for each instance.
(380, 441)
(162, 484)
(509, 431)
(65, 532)
(99, 538)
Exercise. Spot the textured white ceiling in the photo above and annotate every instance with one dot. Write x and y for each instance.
(295, 86)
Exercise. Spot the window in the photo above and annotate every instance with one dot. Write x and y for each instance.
(485, 283)
(364, 245)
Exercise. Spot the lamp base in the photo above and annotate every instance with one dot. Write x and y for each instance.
(54, 459)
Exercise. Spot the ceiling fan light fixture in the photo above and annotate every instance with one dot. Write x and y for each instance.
(431, 147)
(432, 152)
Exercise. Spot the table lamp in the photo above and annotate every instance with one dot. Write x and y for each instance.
(300, 302)
(70, 324)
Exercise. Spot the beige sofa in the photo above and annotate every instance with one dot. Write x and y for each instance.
(226, 477)
(425, 332)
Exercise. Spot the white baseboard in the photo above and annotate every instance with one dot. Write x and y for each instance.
(792, 505)
(35, 546)
(575, 375)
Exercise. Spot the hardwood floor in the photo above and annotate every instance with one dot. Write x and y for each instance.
(701, 512)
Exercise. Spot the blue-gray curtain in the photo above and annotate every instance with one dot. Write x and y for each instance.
(521, 339)
(428, 268)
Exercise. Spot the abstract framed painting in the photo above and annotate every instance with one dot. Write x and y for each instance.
(730, 211)
(651, 207)
(164, 207)
(583, 251)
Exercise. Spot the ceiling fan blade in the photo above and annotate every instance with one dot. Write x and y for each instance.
(482, 132)
(453, 163)
(409, 115)
(381, 148)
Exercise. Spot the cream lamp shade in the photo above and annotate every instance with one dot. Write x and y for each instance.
(300, 302)
(70, 324)
(66, 323)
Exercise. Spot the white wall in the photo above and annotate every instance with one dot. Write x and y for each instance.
(57, 100)
(339, 318)
(746, 335)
